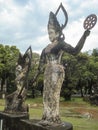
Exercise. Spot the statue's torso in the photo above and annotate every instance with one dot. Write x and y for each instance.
(53, 53)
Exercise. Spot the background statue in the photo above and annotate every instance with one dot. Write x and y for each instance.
(50, 63)
(15, 101)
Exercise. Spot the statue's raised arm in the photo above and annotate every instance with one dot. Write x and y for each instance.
(89, 23)
(75, 50)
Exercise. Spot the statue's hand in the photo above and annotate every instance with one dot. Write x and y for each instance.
(87, 33)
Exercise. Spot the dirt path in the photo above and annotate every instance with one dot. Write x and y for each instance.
(91, 113)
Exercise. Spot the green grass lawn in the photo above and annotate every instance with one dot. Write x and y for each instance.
(72, 111)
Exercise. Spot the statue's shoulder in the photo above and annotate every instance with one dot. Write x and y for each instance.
(62, 43)
(47, 48)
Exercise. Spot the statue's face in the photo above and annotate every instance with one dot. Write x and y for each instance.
(18, 70)
(52, 35)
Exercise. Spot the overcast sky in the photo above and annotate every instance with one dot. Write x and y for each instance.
(24, 22)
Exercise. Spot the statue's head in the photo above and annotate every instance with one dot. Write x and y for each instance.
(54, 29)
(25, 60)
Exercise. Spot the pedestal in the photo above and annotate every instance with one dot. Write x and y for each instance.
(35, 125)
(11, 121)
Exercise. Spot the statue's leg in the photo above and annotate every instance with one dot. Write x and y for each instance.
(53, 80)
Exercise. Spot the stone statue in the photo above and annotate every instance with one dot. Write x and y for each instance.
(50, 63)
(15, 101)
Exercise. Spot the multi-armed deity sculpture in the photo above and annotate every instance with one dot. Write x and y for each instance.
(15, 101)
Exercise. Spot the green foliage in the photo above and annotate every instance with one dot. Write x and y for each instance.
(95, 52)
(8, 58)
(36, 87)
(81, 72)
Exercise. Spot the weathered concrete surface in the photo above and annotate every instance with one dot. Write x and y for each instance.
(35, 125)
(53, 79)
(12, 121)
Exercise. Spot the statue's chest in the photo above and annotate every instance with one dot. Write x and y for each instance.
(52, 49)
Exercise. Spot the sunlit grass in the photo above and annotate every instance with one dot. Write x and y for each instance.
(2, 102)
(35, 100)
(82, 123)
(35, 113)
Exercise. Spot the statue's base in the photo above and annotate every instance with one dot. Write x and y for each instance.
(11, 121)
(20, 121)
(35, 125)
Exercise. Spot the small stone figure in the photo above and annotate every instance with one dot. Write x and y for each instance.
(15, 101)
(50, 64)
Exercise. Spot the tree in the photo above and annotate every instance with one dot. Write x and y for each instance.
(36, 87)
(8, 58)
(75, 74)
(95, 52)
(93, 67)
(69, 62)
(81, 69)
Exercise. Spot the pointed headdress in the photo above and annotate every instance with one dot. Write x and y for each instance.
(53, 22)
